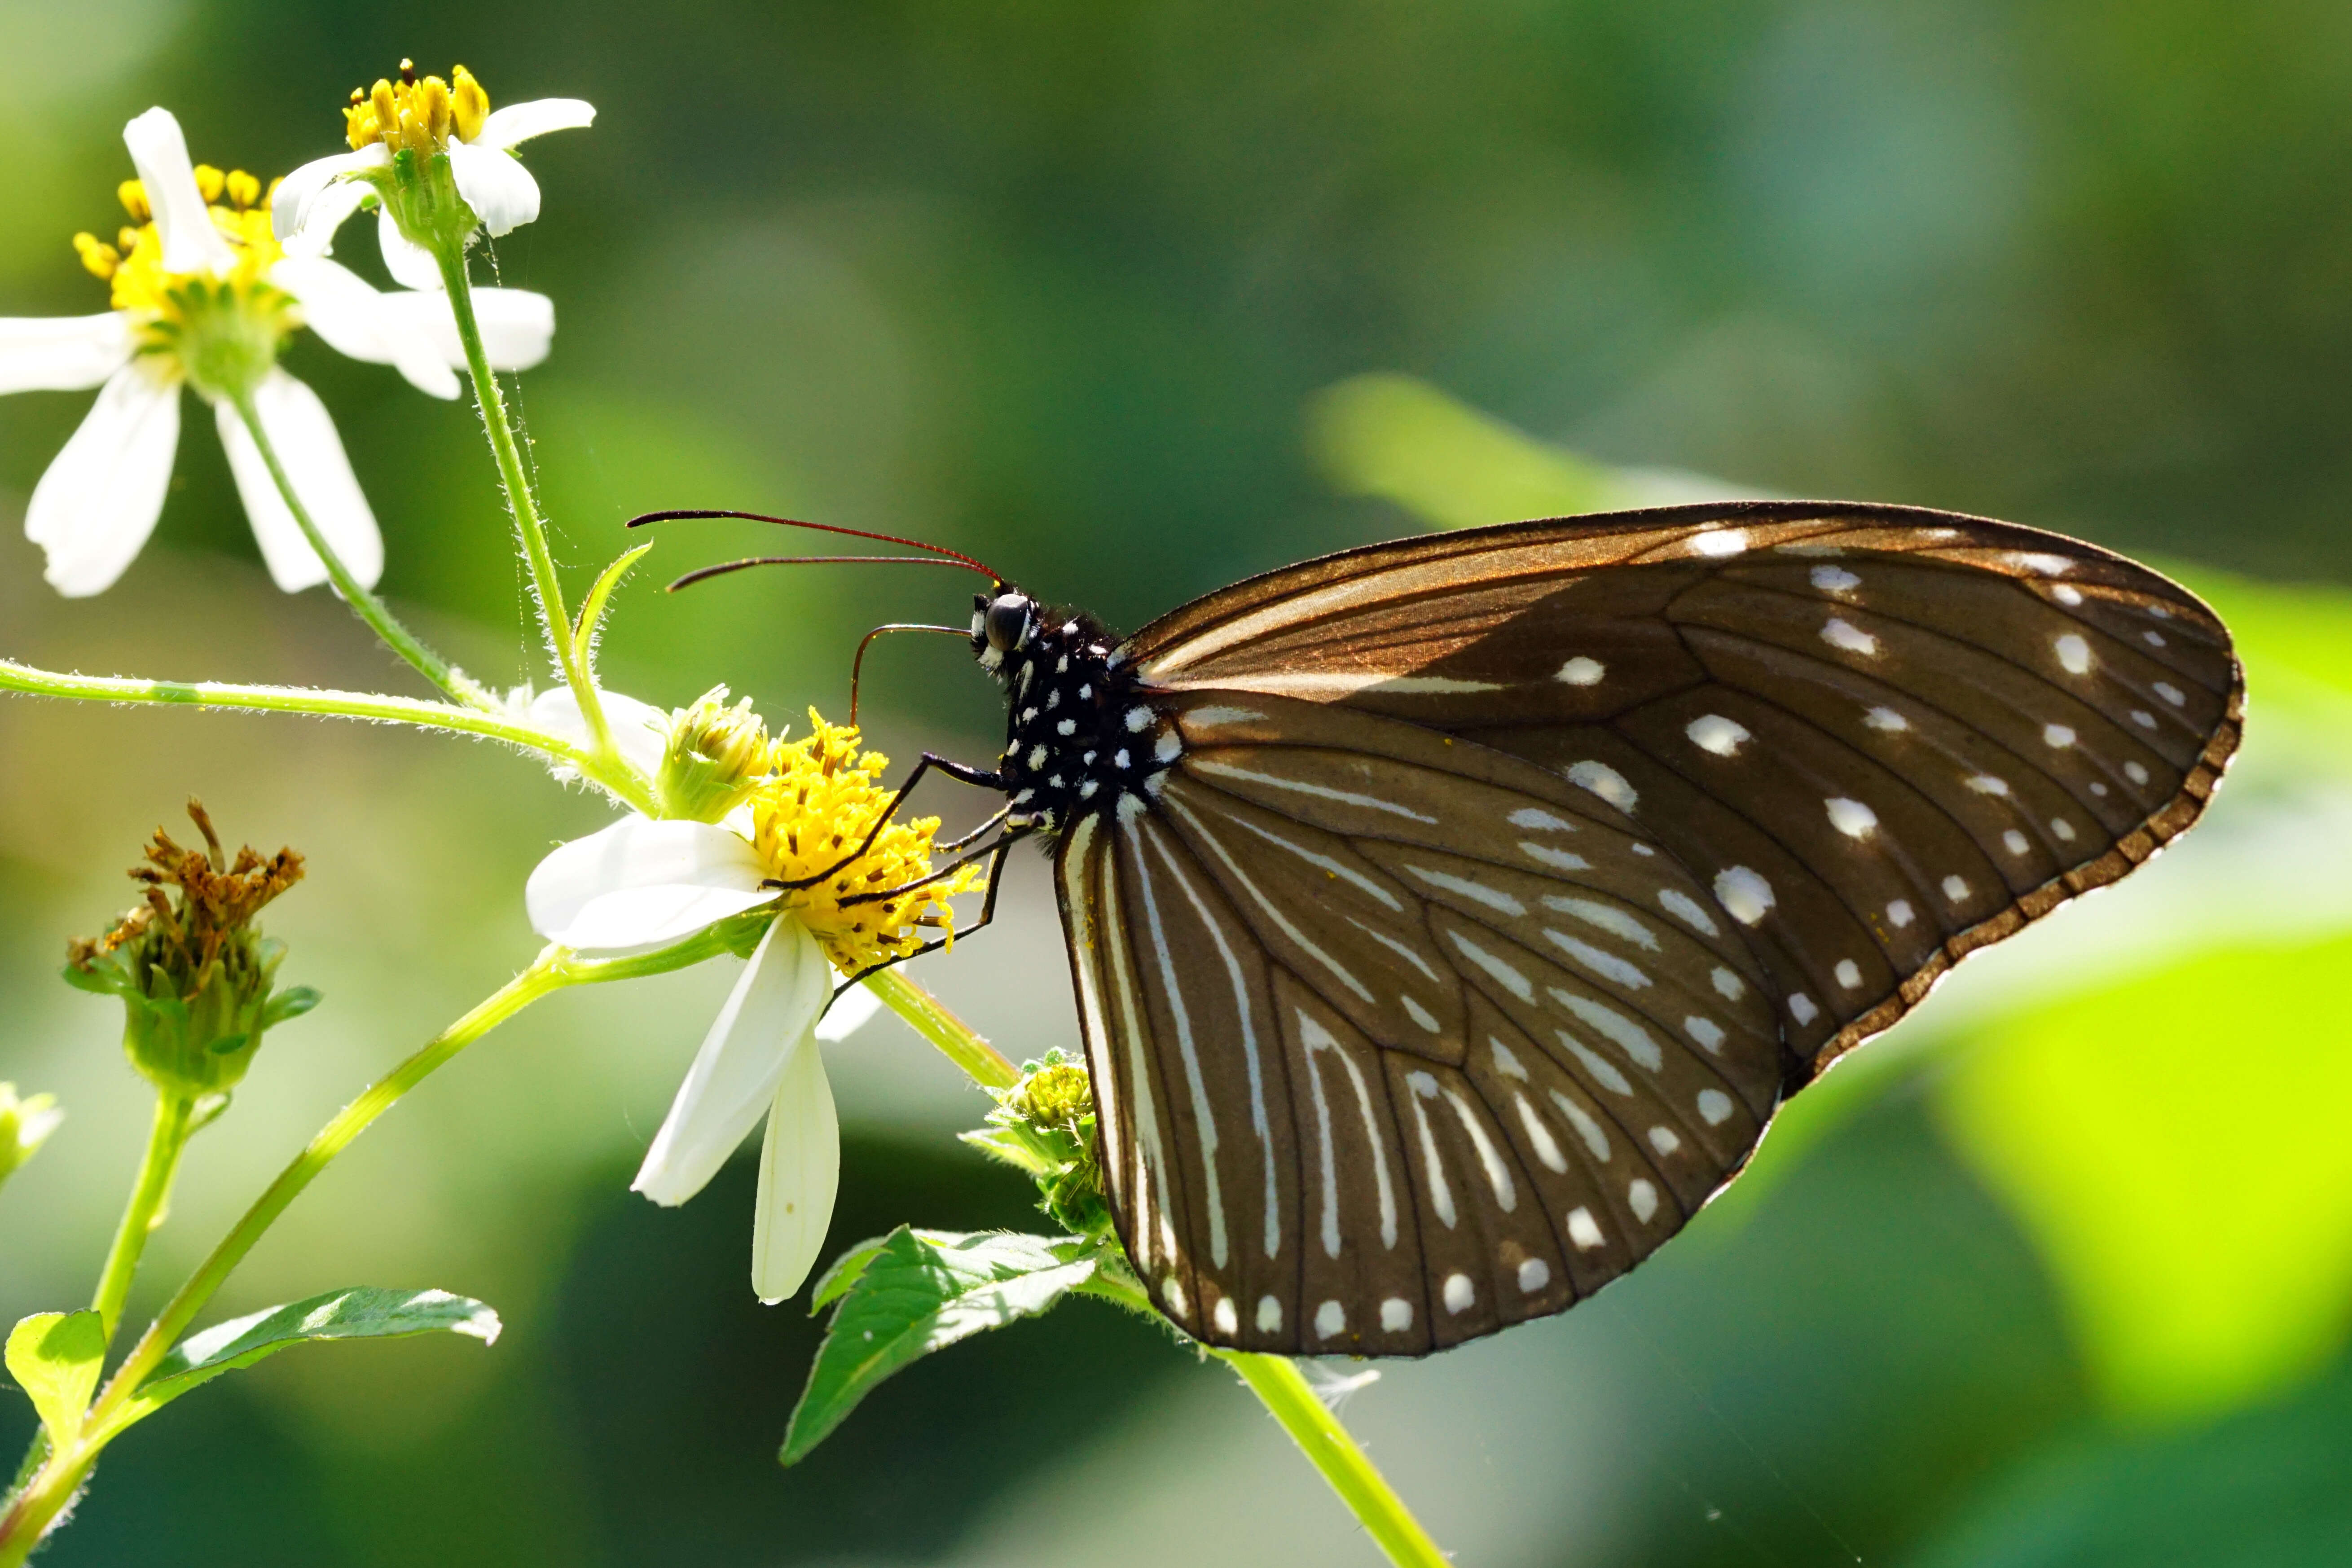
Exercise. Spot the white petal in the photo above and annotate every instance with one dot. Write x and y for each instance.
(743, 1057)
(411, 265)
(62, 353)
(355, 319)
(495, 185)
(856, 1006)
(640, 730)
(517, 325)
(522, 121)
(99, 500)
(800, 1172)
(322, 214)
(191, 243)
(303, 434)
(301, 205)
(641, 885)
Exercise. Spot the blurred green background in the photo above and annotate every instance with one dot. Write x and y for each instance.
(1132, 300)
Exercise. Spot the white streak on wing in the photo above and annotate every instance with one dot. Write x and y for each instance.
(1687, 909)
(1317, 1038)
(1339, 868)
(1547, 1147)
(1586, 1126)
(1353, 681)
(1084, 942)
(1607, 917)
(1257, 1072)
(1600, 1066)
(1498, 1176)
(1476, 893)
(1203, 1118)
(1441, 1196)
(1257, 895)
(1300, 786)
(1372, 1129)
(1631, 1036)
(1535, 818)
(1607, 965)
(1150, 1154)
(1214, 715)
(1403, 950)
(1558, 860)
(1510, 979)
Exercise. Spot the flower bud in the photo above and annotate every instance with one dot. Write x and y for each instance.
(1044, 1124)
(194, 976)
(717, 756)
(24, 1125)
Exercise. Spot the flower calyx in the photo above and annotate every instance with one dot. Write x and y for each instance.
(194, 975)
(1045, 1125)
(716, 756)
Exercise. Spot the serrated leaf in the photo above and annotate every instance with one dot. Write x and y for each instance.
(920, 1292)
(54, 1358)
(364, 1312)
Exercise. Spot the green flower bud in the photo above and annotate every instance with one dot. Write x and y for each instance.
(25, 1124)
(1044, 1124)
(194, 974)
(718, 755)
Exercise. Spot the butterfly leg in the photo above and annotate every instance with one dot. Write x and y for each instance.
(962, 772)
(996, 854)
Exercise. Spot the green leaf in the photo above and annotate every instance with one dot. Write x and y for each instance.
(836, 1281)
(919, 1292)
(290, 1003)
(364, 1312)
(592, 609)
(1007, 1144)
(54, 1358)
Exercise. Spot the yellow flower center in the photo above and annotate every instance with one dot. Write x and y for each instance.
(416, 116)
(824, 798)
(188, 315)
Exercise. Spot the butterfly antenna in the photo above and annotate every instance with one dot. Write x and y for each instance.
(938, 549)
(858, 664)
(702, 574)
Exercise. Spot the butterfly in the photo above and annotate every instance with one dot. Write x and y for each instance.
(1449, 918)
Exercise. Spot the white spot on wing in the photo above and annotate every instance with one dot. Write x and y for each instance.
(2171, 693)
(2057, 737)
(1851, 817)
(1985, 783)
(1546, 1150)
(1956, 889)
(1558, 860)
(1604, 1071)
(1719, 542)
(1728, 985)
(1421, 1015)
(1898, 913)
(1582, 1231)
(1687, 909)
(1510, 979)
(2074, 653)
(1607, 917)
(1802, 1008)
(1843, 634)
(1270, 1315)
(1460, 1296)
(1643, 1198)
(1849, 974)
(2014, 842)
(1330, 1321)
(1886, 720)
(1714, 732)
(1463, 886)
(1208, 718)
(1538, 819)
(1605, 782)
(1706, 1031)
(1228, 1321)
(1534, 1274)
(1582, 672)
(1713, 1107)
(1628, 1035)
(1745, 893)
(2135, 772)
(1834, 579)
(1396, 1314)
(1664, 1139)
(2066, 596)
(1607, 965)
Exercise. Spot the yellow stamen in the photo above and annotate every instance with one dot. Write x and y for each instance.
(244, 190)
(134, 200)
(825, 786)
(101, 257)
(418, 115)
(210, 180)
(164, 302)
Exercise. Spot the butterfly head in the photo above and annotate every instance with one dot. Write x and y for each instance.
(1001, 624)
(1080, 736)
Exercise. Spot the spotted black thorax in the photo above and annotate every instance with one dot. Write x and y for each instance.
(1081, 735)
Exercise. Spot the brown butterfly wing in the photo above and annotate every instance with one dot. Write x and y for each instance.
(1881, 737)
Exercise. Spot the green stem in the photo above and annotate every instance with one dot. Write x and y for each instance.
(607, 771)
(957, 1040)
(554, 619)
(1332, 1450)
(144, 1211)
(364, 602)
(1278, 1382)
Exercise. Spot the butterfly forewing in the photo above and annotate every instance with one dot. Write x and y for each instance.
(1878, 737)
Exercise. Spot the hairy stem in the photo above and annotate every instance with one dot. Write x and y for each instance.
(363, 600)
(570, 658)
(607, 771)
(957, 1040)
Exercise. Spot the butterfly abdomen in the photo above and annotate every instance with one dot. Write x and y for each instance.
(1080, 737)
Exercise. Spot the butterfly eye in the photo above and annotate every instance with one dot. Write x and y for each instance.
(1007, 622)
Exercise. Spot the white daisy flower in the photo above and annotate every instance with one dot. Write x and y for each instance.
(396, 132)
(644, 883)
(204, 295)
